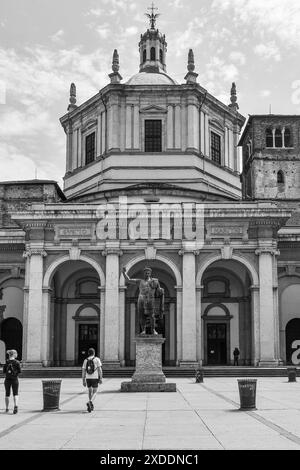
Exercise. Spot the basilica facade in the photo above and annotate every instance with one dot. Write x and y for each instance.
(158, 174)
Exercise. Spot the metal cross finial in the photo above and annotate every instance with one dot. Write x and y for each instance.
(152, 17)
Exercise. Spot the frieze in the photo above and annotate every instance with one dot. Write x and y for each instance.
(227, 230)
(70, 232)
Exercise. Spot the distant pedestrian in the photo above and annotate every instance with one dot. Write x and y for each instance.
(12, 369)
(236, 354)
(91, 376)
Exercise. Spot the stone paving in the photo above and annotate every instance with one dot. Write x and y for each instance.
(198, 416)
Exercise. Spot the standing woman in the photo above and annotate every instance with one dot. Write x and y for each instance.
(12, 369)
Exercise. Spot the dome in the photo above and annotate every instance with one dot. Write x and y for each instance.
(148, 78)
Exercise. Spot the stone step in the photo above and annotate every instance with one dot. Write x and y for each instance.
(127, 372)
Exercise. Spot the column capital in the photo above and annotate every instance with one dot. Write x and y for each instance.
(112, 251)
(185, 251)
(34, 251)
(267, 250)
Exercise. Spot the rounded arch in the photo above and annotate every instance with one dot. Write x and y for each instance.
(252, 271)
(82, 307)
(10, 277)
(53, 266)
(213, 305)
(159, 257)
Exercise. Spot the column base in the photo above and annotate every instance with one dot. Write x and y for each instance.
(189, 364)
(32, 365)
(271, 363)
(112, 364)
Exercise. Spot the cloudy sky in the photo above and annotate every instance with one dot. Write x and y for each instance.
(47, 44)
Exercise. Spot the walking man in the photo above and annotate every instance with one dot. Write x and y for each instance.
(12, 369)
(91, 376)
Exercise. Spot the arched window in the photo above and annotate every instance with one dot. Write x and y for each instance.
(161, 55)
(152, 53)
(287, 138)
(144, 55)
(278, 138)
(269, 137)
(280, 177)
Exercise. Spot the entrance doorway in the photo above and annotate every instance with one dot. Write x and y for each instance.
(216, 343)
(11, 334)
(292, 333)
(87, 338)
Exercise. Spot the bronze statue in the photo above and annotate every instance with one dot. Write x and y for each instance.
(150, 290)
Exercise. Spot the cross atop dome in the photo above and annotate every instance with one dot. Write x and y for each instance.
(153, 16)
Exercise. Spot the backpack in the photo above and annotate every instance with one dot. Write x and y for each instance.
(11, 370)
(90, 366)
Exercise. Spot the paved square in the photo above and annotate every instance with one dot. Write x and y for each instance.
(198, 416)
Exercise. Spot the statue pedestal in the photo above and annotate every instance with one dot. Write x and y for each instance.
(148, 376)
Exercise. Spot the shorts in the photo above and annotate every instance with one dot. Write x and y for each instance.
(92, 383)
(11, 384)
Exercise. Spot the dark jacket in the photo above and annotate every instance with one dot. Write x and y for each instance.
(16, 368)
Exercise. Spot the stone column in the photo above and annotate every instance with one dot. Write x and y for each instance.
(267, 308)
(101, 321)
(178, 126)
(200, 349)
(33, 311)
(207, 136)
(63, 335)
(255, 325)
(45, 330)
(69, 135)
(99, 126)
(56, 336)
(193, 126)
(170, 127)
(111, 308)
(179, 323)
(189, 317)
(122, 291)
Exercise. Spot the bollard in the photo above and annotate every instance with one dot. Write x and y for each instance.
(199, 375)
(51, 394)
(292, 374)
(247, 391)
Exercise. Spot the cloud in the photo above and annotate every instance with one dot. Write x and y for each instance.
(176, 4)
(182, 41)
(276, 17)
(13, 162)
(95, 12)
(218, 70)
(37, 80)
(131, 31)
(103, 30)
(237, 57)
(265, 93)
(268, 51)
(58, 36)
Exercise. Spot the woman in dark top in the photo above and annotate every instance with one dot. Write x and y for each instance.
(12, 369)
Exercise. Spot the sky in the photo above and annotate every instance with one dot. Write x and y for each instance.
(47, 44)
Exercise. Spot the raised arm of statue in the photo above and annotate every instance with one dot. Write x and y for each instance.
(127, 278)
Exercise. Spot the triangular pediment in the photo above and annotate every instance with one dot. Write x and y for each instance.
(153, 109)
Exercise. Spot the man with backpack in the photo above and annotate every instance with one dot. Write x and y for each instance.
(91, 376)
(12, 369)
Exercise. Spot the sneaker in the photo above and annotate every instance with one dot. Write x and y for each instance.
(7, 410)
(91, 405)
(88, 407)
(15, 410)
